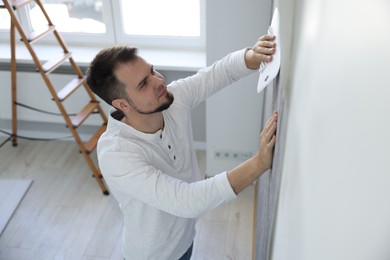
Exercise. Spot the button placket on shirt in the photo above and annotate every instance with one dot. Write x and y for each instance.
(168, 146)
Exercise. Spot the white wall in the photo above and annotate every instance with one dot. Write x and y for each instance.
(335, 190)
(233, 115)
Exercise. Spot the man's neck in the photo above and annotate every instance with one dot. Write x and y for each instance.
(148, 124)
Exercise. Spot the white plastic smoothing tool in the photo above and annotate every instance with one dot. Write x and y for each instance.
(269, 70)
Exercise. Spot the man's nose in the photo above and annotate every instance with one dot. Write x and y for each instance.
(157, 84)
(159, 75)
(158, 80)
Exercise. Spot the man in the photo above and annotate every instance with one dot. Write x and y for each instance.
(147, 155)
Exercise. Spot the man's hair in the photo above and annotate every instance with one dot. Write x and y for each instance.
(100, 75)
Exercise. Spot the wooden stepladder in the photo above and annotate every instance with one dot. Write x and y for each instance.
(72, 122)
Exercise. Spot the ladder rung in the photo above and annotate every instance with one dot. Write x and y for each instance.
(70, 88)
(36, 35)
(91, 145)
(84, 113)
(51, 65)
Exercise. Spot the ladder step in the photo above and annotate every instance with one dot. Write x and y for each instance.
(70, 88)
(91, 145)
(36, 35)
(51, 65)
(84, 113)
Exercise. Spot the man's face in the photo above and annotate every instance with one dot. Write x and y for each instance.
(146, 88)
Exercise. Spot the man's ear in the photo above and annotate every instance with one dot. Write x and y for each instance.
(121, 104)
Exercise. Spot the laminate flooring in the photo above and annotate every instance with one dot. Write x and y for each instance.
(64, 215)
(11, 193)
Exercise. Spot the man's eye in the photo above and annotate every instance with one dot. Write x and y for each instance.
(142, 85)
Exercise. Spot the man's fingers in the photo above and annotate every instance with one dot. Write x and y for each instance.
(267, 37)
(270, 129)
(272, 142)
(272, 119)
(266, 44)
(264, 50)
(271, 132)
(269, 121)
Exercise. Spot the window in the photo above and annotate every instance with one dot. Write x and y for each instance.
(4, 19)
(163, 19)
(146, 23)
(70, 16)
(169, 22)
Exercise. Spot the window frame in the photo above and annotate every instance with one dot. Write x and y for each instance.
(115, 32)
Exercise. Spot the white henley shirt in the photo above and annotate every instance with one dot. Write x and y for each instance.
(155, 177)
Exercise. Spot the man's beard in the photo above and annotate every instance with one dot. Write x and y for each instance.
(163, 107)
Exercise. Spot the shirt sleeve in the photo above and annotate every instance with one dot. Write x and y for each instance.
(209, 80)
(130, 176)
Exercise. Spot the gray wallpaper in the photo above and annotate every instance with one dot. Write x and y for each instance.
(268, 185)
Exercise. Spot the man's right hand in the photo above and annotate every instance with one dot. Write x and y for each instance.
(244, 174)
(267, 142)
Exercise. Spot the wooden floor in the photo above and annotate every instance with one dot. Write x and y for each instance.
(64, 215)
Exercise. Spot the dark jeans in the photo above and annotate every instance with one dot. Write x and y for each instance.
(187, 255)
